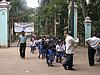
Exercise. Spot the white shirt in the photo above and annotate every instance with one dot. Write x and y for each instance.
(63, 47)
(33, 43)
(70, 44)
(58, 48)
(93, 41)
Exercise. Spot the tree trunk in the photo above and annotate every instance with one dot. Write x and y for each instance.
(83, 6)
(46, 26)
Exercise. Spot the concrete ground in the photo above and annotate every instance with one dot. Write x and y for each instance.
(12, 64)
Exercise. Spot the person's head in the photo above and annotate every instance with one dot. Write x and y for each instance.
(69, 33)
(94, 34)
(62, 42)
(23, 33)
(58, 42)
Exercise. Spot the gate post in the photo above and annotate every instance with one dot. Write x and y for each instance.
(4, 28)
(87, 24)
(72, 19)
(75, 20)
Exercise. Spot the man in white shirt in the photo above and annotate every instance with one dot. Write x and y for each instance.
(92, 42)
(69, 52)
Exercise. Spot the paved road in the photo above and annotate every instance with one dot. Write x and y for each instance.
(12, 64)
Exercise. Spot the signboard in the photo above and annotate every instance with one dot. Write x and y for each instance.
(27, 27)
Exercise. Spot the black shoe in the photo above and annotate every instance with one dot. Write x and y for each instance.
(42, 58)
(51, 65)
(38, 57)
(71, 69)
(91, 64)
(65, 67)
(48, 64)
(57, 61)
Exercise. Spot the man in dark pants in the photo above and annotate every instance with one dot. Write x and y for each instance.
(91, 54)
(22, 50)
(22, 44)
(68, 63)
(92, 46)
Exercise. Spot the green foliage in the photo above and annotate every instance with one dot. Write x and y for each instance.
(49, 9)
(19, 11)
(16, 8)
(94, 13)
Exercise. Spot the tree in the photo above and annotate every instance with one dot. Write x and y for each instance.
(19, 12)
(51, 8)
(93, 11)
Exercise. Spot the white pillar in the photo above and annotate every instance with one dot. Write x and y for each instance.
(87, 24)
(75, 21)
(4, 28)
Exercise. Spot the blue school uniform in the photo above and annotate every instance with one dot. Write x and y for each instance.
(50, 55)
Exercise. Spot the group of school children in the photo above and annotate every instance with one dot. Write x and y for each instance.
(49, 48)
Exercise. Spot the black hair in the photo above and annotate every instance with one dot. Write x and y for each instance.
(69, 33)
(94, 34)
(22, 31)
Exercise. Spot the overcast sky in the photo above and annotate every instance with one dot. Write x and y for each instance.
(87, 1)
(32, 3)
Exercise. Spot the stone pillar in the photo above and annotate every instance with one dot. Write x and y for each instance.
(87, 24)
(4, 28)
(70, 19)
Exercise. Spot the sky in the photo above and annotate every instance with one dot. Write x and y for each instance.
(32, 3)
(87, 1)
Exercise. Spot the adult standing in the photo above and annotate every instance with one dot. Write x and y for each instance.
(22, 44)
(69, 52)
(92, 46)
